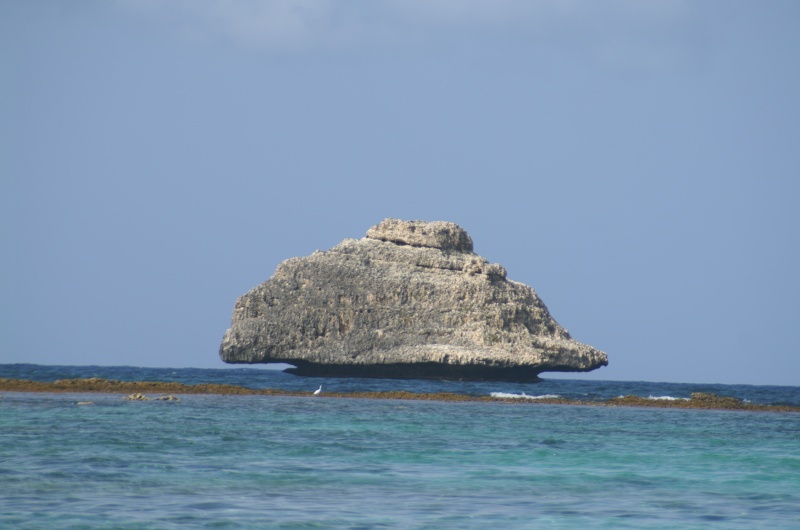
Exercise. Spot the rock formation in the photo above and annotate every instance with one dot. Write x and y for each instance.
(410, 300)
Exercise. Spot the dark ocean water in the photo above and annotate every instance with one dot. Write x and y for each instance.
(317, 462)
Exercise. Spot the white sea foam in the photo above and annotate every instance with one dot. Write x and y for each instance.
(507, 395)
(666, 398)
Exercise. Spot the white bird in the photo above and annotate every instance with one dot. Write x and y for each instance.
(317, 391)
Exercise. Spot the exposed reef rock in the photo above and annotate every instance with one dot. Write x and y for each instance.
(410, 300)
(696, 401)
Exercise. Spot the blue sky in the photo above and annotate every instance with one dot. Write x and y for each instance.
(637, 163)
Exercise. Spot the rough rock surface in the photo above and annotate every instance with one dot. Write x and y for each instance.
(410, 300)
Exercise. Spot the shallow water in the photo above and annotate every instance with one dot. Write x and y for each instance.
(317, 462)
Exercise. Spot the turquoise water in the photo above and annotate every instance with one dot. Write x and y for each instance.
(317, 462)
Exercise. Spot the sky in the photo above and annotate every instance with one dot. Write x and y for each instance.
(636, 163)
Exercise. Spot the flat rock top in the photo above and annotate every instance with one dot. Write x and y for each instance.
(437, 234)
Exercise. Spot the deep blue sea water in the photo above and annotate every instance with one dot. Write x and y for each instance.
(322, 462)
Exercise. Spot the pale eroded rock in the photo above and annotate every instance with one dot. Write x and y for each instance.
(410, 300)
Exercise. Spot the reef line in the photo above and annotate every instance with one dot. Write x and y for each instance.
(697, 400)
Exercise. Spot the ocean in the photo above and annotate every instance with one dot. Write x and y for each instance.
(216, 461)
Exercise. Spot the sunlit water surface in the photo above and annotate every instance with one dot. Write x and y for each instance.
(321, 462)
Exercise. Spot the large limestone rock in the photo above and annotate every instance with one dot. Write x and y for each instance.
(410, 300)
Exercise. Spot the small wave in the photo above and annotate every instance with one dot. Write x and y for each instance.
(507, 395)
(666, 398)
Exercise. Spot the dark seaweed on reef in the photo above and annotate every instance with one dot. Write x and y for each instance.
(698, 400)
